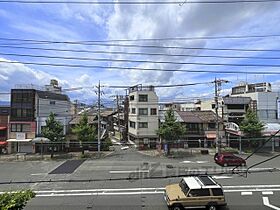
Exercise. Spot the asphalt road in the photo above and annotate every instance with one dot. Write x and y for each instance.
(77, 190)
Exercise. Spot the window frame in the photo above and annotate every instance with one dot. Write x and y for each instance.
(143, 98)
(143, 109)
(142, 124)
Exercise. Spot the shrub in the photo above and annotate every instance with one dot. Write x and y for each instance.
(15, 200)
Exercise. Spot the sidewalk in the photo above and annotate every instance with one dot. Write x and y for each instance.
(47, 157)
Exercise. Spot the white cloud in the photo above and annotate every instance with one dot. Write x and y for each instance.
(130, 22)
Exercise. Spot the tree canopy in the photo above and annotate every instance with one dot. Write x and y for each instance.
(170, 129)
(53, 129)
(251, 126)
(84, 131)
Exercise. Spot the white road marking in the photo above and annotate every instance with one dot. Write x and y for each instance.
(246, 193)
(127, 172)
(103, 194)
(266, 203)
(38, 174)
(222, 177)
(125, 148)
(251, 186)
(186, 161)
(197, 161)
(201, 161)
(267, 193)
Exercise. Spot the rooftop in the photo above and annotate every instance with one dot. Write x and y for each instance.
(236, 100)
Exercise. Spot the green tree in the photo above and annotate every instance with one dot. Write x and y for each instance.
(84, 131)
(15, 200)
(251, 127)
(53, 131)
(170, 129)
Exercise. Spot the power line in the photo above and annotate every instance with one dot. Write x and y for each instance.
(139, 61)
(180, 3)
(145, 39)
(157, 69)
(140, 53)
(151, 46)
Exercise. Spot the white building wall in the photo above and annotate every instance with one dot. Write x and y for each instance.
(62, 110)
(152, 120)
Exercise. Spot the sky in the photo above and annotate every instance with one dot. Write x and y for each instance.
(74, 22)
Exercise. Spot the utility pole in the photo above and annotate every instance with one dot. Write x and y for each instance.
(98, 104)
(218, 85)
(118, 110)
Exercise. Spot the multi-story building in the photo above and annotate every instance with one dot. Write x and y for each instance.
(235, 108)
(4, 124)
(244, 88)
(264, 101)
(143, 116)
(30, 108)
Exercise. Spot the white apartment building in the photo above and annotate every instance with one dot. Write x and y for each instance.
(143, 116)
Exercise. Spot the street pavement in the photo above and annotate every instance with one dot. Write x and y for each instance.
(98, 184)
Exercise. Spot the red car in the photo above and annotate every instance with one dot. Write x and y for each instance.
(229, 159)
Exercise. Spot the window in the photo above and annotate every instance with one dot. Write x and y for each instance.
(217, 192)
(235, 106)
(213, 106)
(21, 128)
(211, 125)
(131, 98)
(26, 128)
(131, 124)
(143, 98)
(133, 110)
(153, 111)
(143, 111)
(143, 125)
(52, 102)
(199, 192)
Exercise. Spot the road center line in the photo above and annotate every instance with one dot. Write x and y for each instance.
(266, 203)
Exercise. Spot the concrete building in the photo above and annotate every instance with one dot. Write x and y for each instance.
(195, 106)
(4, 127)
(29, 110)
(143, 116)
(264, 101)
(235, 108)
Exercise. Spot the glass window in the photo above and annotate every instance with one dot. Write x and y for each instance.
(133, 110)
(211, 125)
(131, 98)
(14, 127)
(52, 102)
(131, 124)
(143, 111)
(217, 192)
(143, 125)
(199, 192)
(143, 98)
(26, 127)
(153, 111)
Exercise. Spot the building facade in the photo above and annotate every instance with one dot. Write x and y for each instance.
(29, 110)
(143, 116)
(4, 127)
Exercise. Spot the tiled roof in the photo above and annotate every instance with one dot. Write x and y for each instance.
(198, 116)
(76, 120)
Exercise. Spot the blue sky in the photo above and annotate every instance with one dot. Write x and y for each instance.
(66, 22)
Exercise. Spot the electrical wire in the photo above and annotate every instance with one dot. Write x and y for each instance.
(179, 3)
(165, 70)
(143, 46)
(150, 39)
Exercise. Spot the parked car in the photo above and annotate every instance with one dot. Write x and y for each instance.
(194, 192)
(229, 159)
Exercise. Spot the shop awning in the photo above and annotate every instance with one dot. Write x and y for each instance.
(3, 128)
(211, 136)
(17, 140)
(3, 143)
